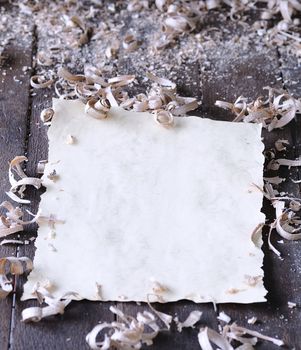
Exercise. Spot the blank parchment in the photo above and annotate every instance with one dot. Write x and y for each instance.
(144, 206)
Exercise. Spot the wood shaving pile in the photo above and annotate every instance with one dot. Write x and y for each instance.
(172, 32)
(134, 332)
(275, 112)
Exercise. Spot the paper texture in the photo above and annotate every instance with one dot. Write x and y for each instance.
(142, 203)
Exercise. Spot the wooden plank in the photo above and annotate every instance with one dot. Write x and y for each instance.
(246, 73)
(14, 91)
(69, 330)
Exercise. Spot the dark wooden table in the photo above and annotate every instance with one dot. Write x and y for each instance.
(223, 74)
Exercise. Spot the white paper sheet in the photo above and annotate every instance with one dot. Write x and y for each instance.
(143, 203)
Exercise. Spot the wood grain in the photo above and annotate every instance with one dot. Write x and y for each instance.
(67, 331)
(14, 91)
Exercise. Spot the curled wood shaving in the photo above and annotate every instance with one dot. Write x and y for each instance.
(288, 162)
(224, 317)
(271, 246)
(43, 59)
(130, 43)
(231, 332)
(165, 318)
(295, 205)
(12, 266)
(12, 241)
(164, 118)
(207, 335)
(9, 223)
(275, 180)
(40, 82)
(41, 166)
(296, 181)
(284, 221)
(131, 333)
(15, 266)
(5, 287)
(279, 145)
(12, 221)
(275, 112)
(190, 321)
(65, 74)
(286, 8)
(97, 109)
(178, 18)
(19, 185)
(161, 81)
(46, 115)
(112, 49)
(54, 305)
(121, 80)
(100, 93)
(256, 236)
(137, 5)
(241, 331)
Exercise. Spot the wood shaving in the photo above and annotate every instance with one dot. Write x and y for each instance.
(284, 222)
(12, 221)
(100, 94)
(275, 112)
(288, 162)
(46, 115)
(164, 118)
(70, 140)
(295, 205)
(131, 333)
(242, 331)
(275, 180)
(54, 305)
(19, 180)
(134, 332)
(279, 145)
(11, 266)
(130, 43)
(97, 109)
(40, 82)
(207, 335)
(229, 333)
(11, 241)
(271, 246)
(291, 305)
(193, 318)
(252, 320)
(224, 317)
(41, 166)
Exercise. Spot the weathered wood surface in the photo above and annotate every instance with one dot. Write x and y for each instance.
(14, 104)
(282, 278)
(224, 75)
